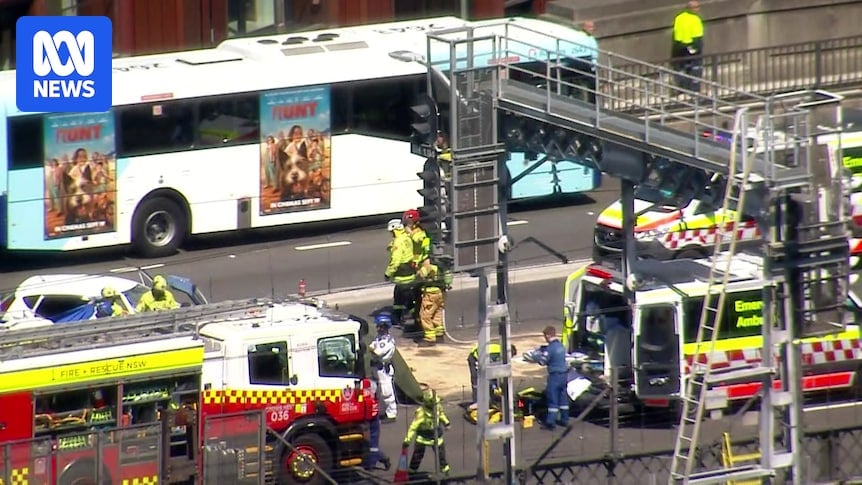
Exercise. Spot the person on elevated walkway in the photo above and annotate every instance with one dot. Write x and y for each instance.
(687, 48)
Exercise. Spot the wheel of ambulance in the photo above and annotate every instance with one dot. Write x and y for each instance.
(158, 227)
(300, 464)
(691, 253)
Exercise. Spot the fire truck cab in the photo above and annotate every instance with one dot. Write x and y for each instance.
(244, 389)
(652, 343)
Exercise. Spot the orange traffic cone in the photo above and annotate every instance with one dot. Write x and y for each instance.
(402, 473)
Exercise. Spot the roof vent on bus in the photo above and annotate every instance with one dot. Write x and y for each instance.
(201, 58)
(267, 41)
(346, 46)
(299, 51)
(294, 40)
(325, 37)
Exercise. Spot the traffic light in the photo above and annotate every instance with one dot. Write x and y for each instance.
(425, 120)
(435, 205)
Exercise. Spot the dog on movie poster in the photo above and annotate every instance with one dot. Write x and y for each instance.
(77, 188)
(292, 166)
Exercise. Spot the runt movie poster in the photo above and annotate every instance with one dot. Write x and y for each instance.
(295, 162)
(80, 175)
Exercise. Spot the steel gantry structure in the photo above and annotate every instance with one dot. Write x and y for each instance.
(535, 93)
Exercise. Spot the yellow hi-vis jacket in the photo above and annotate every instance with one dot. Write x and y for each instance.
(422, 427)
(150, 303)
(400, 268)
(421, 245)
(687, 27)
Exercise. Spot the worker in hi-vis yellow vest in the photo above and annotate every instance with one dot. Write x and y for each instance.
(687, 49)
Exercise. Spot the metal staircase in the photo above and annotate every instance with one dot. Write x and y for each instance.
(143, 327)
(701, 373)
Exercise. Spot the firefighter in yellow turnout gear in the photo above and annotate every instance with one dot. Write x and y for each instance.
(427, 430)
(158, 298)
(433, 301)
(400, 271)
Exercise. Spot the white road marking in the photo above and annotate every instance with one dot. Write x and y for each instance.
(323, 245)
(129, 269)
(517, 223)
(124, 269)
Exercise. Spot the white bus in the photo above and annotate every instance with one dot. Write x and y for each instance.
(256, 132)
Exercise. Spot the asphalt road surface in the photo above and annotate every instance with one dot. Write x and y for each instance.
(347, 255)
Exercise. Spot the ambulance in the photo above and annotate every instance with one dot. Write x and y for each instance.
(670, 226)
(654, 342)
(232, 392)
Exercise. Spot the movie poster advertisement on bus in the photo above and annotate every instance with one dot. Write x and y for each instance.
(80, 175)
(295, 161)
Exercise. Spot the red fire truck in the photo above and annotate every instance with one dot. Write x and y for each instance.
(234, 392)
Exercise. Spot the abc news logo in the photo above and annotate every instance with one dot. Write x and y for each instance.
(81, 61)
(64, 64)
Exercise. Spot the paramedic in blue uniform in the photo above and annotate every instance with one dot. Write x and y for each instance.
(554, 358)
(687, 49)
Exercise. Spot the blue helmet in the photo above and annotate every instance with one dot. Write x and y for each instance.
(383, 319)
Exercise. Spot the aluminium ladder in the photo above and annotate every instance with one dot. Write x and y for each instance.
(701, 374)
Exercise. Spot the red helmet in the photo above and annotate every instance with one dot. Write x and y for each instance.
(411, 215)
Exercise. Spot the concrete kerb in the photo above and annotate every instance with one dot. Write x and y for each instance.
(517, 275)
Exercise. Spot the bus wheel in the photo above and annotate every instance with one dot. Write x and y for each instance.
(301, 463)
(158, 228)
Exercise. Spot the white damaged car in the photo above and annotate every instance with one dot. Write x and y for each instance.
(62, 298)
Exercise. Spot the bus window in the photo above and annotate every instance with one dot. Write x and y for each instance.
(229, 120)
(378, 107)
(148, 129)
(742, 316)
(26, 146)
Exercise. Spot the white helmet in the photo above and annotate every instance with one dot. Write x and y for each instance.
(394, 225)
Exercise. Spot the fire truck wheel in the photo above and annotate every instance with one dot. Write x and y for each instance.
(300, 464)
(83, 473)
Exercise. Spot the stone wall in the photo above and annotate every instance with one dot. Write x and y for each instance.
(641, 28)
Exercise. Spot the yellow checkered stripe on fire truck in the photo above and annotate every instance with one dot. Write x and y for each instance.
(233, 396)
(141, 481)
(17, 477)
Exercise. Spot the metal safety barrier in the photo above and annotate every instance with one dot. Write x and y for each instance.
(825, 64)
(829, 456)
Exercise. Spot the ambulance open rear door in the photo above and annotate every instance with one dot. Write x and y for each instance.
(656, 351)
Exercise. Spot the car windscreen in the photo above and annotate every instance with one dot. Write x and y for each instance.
(661, 197)
(135, 293)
